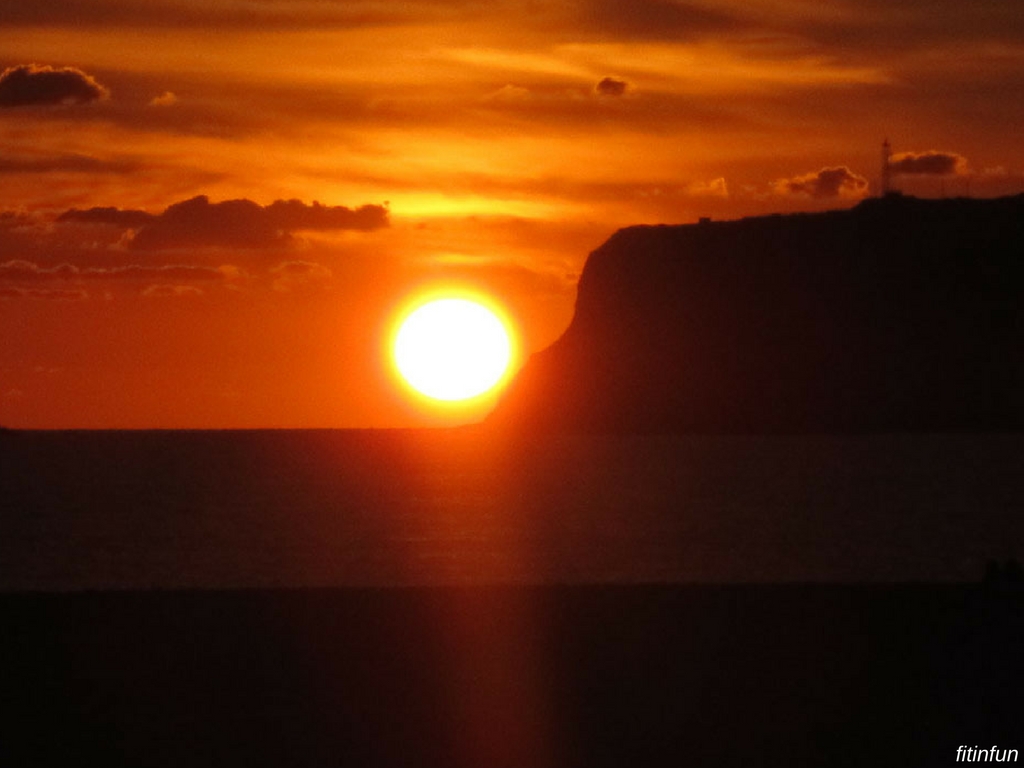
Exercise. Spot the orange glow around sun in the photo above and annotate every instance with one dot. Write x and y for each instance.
(453, 349)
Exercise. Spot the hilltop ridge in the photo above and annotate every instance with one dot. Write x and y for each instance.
(899, 314)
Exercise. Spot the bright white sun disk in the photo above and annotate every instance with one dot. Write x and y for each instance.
(452, 349)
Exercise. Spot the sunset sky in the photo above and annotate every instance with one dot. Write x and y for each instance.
(212, 212)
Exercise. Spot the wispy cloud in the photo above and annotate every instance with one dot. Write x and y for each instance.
(27, 271)
(650, 19)
(296, 276)
(66, 163)
(50, 294)
(171, 290)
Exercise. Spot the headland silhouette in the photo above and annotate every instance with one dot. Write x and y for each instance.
(900, 314)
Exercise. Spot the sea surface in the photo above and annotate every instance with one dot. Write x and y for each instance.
(377, 508)
(463, 599)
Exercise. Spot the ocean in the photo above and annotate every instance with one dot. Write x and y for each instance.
(459, 599)
(282, 509)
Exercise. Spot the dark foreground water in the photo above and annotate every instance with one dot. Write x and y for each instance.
(512, 677)
(88, 510)
(453, 599)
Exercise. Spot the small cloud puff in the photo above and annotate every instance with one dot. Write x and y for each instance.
(34, 85)
(508, 92)
(293, 276)
(165, 99)
(714, 188)
(930, 163)
(826, 183)
(610, 86)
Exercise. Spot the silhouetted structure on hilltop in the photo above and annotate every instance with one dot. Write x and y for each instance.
(897, 315)
(886, 168)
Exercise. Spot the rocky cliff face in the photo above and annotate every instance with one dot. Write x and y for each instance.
(897, 315)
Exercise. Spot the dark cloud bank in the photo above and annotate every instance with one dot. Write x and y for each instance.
(231, 223)
(930, 163)
(34, 85)
(826, 183)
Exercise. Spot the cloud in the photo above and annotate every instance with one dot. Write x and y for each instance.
(198, 222)
(52, 294)
(21, 270)
(609, 86)
(245, 224)
(292, 276)
(873, 26)
(828, 182)
(125, 219)
(930, 163)
(295, 215)
(26, 271)
(256, 14)
(651, 19)
(31, 85)
(169, 290)
(165, 99)
(714, 188)
(70, 163)
(508, 92)
(500, 275)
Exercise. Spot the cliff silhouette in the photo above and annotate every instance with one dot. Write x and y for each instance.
(899, 314)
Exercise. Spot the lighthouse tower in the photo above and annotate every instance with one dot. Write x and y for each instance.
(886, 172)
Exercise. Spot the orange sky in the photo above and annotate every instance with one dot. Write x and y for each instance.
(489, 145)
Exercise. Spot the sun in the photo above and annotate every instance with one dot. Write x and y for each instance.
(452, 349)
